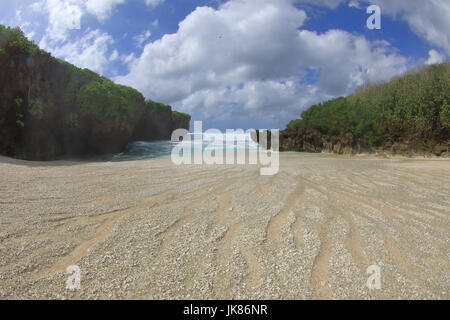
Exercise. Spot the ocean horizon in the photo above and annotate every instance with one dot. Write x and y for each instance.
(141, 150)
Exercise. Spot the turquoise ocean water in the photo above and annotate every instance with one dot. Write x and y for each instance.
(140, 150)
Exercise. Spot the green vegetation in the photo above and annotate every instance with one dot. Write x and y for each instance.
(102, 98)
(71, 120)
(294, 124)
(36, 107)
(13, 41)
(161, 108)
(19, 121)
(62, 109)
(97, 97)
(157, 106)
(18, 101)
(85, 93)
(180, 115)
(414, 106)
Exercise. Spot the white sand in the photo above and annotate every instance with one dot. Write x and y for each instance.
(148, 228)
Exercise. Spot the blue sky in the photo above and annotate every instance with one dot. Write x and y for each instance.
(238, 63)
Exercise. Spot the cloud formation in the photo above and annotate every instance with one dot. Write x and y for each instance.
(90, 51)
(102, 9)
(153, 3)
(247, 63)
(428, 19)
(251, 59)
(66, 37)
(435, 57)
(140, 39)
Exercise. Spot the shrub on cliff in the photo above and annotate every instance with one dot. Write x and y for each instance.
(180, 115)
(13, 41)
(294, 124)
(50, 108)
(411, 107)
(157, 106)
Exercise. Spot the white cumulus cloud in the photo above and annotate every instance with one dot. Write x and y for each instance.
(435, 57)
(140, 39)
(67, 38)
(90, 51)
(251, 59)
(153, 3)
(428, 19)
(102, 9)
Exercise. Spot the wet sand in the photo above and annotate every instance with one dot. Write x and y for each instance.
(148, 229)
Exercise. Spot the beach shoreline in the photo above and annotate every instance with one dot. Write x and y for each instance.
(149, 229)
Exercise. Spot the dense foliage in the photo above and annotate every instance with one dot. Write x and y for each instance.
(49, 107)
(13, 41)
(180, 115)
(294, 124)
(157, 106)
(102, 98)
(414, 106)
(85, 92)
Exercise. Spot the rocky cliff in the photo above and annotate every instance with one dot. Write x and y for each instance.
(311, 140)
(50, 109)
(159, 121)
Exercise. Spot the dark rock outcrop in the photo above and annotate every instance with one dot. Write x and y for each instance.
(256, 137)
(50, 109)
(307, 139)
(180, 120)
(159, 121)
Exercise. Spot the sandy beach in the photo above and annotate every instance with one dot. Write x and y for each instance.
(151, 230)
